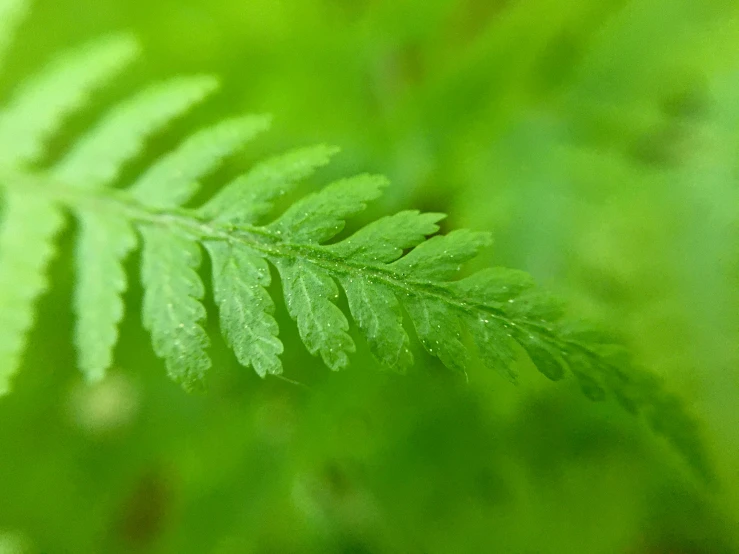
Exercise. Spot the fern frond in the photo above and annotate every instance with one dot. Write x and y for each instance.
(499, 311)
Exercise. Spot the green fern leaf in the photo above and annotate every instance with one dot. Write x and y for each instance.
(38, 108)
(173, 180)
(321, 215)
(309, 294)
(537, 306)
(377, 312)
(493, 286)
(27, 231)
(439, 329)
(250, 197)
(104, 241)
(385, 239)
(240, 276)
(98, 157)
(544, 356)
(494, 344)
(441, 256)
(172, 309)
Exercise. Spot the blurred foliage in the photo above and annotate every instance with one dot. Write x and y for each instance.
(598, 140)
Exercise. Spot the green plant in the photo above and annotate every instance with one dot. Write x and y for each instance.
(500, 309)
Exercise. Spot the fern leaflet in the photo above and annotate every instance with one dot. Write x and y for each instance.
(172, 310)
(39, 107)
(105, 239)
(239, 279)
(28, 228)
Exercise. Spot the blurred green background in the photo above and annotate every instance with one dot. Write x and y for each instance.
(597, 139)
